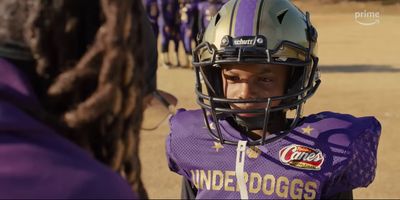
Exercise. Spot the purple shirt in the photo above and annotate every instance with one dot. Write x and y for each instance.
(326, 154)
(36, 162)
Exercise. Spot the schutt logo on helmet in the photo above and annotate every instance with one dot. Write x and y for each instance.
(301, 157)
(242, 41)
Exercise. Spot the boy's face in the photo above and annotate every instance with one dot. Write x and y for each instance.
(250, 81)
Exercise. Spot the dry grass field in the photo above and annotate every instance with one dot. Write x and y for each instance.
(360, 75)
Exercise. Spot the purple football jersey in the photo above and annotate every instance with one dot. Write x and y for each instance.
(326, 154)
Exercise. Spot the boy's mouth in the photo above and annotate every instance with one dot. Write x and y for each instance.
(249, 114)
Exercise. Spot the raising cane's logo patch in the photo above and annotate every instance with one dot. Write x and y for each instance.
(301, 157)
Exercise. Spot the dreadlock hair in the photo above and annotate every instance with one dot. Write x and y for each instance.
(90, 60)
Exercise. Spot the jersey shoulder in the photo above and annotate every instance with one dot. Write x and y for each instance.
(332, 125)
(187, 133)
(187, 122)
(350, 146)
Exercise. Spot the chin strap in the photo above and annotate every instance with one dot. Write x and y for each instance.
(240, 157)
(250, 123)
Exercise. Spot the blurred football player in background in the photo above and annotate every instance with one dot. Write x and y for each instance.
(169, 25)
(153, 12)
(188, 13)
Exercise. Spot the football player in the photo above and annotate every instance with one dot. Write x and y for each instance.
(169, 24)
(259, 65)
(188, 9)
(153, 12)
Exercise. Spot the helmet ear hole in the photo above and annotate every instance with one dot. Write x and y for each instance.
(215, 89)
(294, 80)
(214, 77)
(294, 83)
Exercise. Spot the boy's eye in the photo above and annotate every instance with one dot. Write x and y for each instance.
(265, 79)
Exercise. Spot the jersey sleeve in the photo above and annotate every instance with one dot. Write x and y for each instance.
(364, 157)
(171, 156)
(362, 162)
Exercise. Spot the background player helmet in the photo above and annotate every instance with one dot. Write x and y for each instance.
(256, 31)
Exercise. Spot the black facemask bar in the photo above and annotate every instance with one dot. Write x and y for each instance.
(220, 112)
(218, 106)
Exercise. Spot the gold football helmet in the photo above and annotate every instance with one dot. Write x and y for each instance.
(256, 31)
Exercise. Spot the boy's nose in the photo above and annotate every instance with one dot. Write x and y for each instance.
(246, 91)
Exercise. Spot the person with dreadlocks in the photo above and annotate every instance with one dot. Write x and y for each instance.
(259, 65)
(71, 98)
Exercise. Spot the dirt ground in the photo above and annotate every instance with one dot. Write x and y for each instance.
(360, 75)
